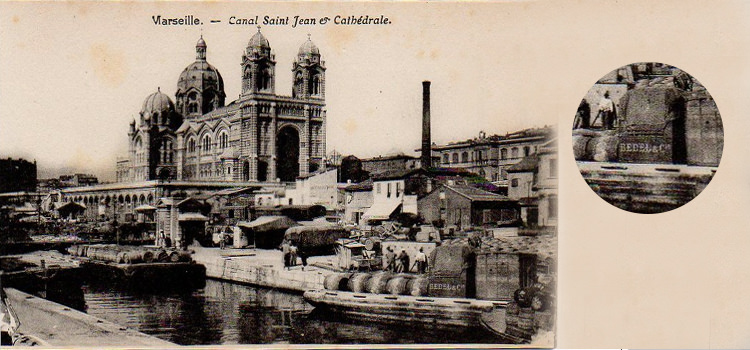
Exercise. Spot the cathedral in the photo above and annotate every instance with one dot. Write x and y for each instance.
(260, 137)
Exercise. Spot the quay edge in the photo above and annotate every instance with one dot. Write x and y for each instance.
(244, 270)
(58, 325)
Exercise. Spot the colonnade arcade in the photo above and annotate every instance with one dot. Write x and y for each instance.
(111, 204)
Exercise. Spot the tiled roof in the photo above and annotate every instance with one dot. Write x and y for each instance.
(525, 165)
(394, 174)
(359, 187)
(476, 194)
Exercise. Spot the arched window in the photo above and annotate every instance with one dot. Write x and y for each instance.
(455, 157)
(446, 158)
(265, 80)
(206, 143)
(514, 152)
(526, 151)
(504, 153)
(316, 84)
(298, 82)
(170, 152)
(191, 145)
(247, 77)
(139, 151)
(193, 102)
(223, 140)
(465, 157)
(165, 151)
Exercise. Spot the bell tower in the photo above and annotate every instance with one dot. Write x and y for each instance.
(309, 72)
(258, 66)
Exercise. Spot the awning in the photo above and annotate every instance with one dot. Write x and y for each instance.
(268, 223)
(192, 217)
(70, 204)
(381, 211)
(145, 207)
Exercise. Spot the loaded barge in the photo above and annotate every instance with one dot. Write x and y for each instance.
(494, 288)
(140, 267)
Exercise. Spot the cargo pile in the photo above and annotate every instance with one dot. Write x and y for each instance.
(382, 282)
(542, 246)
(128, 254)
(524, 322)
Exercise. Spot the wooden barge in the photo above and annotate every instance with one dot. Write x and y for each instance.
(148, 268)
(148, 276)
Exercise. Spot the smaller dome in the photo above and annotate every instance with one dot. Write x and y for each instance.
(308, 48)
(258, 41)
(157, 102)
(201, 43)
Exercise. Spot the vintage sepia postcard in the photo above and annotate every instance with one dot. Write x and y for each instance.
(373, 174)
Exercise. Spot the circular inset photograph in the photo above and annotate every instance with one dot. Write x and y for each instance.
(647, 137)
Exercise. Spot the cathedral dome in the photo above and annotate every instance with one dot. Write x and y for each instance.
(308, 48)
(258, 46)
(258, 41)
(198, 73)
(200, 88)
(157, 102)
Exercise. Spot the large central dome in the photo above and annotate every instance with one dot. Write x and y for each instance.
(200, 88)
(200, 73)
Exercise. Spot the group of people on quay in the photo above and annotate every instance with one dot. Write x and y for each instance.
(290, 253)
(606, 112)
(401, 262)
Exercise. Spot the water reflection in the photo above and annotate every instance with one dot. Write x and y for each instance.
(227, 313)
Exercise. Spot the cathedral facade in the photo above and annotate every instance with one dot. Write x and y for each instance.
(260, 137)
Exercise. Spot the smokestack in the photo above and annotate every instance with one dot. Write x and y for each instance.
(426, 159)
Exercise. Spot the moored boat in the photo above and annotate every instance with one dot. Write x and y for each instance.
(384, 308)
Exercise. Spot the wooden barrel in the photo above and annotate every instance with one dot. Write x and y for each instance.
(336, 281)
(605, 148)
(418, 286)
(92, 252)
(84, 250)
(184, 256)
(174, 256)
(398, 285)
(161, 255)
(379, 282)
(112, 255)
(148, 256)
(133, 256)
(372, 243)
(580, 143)
(358, 282)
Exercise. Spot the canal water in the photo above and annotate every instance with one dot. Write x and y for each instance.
(228, 313)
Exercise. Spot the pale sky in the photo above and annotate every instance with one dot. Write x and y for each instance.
(73, 75)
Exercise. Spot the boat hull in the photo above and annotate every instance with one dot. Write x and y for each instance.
(382, 308)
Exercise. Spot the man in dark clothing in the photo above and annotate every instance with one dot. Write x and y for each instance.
(404, 259)
(390, 260)
(303, 256)
(583, 116)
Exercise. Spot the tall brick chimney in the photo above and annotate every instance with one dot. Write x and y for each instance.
(426, 158)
